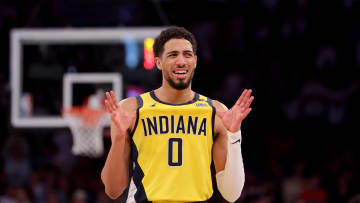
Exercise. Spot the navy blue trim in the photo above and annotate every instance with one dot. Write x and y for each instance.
(138, 175)
(196, 97)
(209, 101)
(140, 104)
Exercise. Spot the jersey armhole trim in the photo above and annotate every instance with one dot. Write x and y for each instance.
(140, 104)
(209, 101)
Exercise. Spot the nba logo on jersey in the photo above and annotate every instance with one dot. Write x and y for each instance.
(201, 105)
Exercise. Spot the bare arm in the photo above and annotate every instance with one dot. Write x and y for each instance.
(115, 174)
(230, 176)
(228, 121)
(220, 142)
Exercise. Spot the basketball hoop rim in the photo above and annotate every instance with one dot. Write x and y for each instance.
(90, 117)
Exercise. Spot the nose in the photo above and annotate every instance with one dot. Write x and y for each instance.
(180, 61)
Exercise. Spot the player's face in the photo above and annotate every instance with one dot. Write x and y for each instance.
(177, 63)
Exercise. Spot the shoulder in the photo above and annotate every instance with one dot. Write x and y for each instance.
(220, 129)
(129, 104)
(215, 103)
(219, 106)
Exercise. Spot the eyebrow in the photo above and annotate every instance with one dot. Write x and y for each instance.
(174, 52)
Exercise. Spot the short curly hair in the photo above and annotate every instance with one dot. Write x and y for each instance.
(173, 33)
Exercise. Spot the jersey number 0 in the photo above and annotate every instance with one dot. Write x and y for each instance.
(173, 142)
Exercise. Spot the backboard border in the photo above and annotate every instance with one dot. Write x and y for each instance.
(20, 37)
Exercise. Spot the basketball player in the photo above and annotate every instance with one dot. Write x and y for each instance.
(172, 134)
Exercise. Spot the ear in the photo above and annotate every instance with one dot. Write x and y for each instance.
(195, 61)
(158, 63)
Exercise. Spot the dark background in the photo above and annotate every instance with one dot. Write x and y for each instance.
(301, 58)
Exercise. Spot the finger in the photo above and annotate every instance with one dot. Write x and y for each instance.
(113, 97)
(112, 107)
(243, 115)
(113, 100)
(249, 101)
(108, 98)
(241, 97)
(245, 98)
(106, 106)
(247, 112)
(249, 93)
(110, 101)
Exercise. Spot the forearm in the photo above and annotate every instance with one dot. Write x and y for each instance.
(115, 174)
(230, 181)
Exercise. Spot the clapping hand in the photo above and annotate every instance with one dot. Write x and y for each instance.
(233, 117)
(119, 116)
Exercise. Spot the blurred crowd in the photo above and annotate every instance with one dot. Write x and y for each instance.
(300, 57)
(46, 173)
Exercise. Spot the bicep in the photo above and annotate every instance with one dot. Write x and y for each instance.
(220, 146)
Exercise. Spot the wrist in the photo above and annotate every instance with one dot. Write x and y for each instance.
(233, 129)
(118, 139)
(234, 136)
(230, 181)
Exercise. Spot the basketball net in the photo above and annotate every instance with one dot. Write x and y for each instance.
(86, 125)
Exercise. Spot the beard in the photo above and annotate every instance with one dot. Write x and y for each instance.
(182, 84)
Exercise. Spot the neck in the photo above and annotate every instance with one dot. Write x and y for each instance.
(173, 96)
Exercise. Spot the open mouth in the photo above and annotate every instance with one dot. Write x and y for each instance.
(181, 74)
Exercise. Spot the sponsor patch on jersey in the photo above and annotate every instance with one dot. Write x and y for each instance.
(201, 105)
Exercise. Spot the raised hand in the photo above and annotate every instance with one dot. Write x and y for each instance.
(119, 117)
(233, 117)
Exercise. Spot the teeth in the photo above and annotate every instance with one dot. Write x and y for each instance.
(180, 72)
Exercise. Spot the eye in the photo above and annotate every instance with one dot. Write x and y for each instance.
(188, 54)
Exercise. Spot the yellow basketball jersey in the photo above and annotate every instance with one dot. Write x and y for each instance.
(172, 150)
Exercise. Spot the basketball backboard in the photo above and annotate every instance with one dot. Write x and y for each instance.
(42, 59)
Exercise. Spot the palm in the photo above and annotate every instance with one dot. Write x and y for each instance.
(233, 118)
(119, 117)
